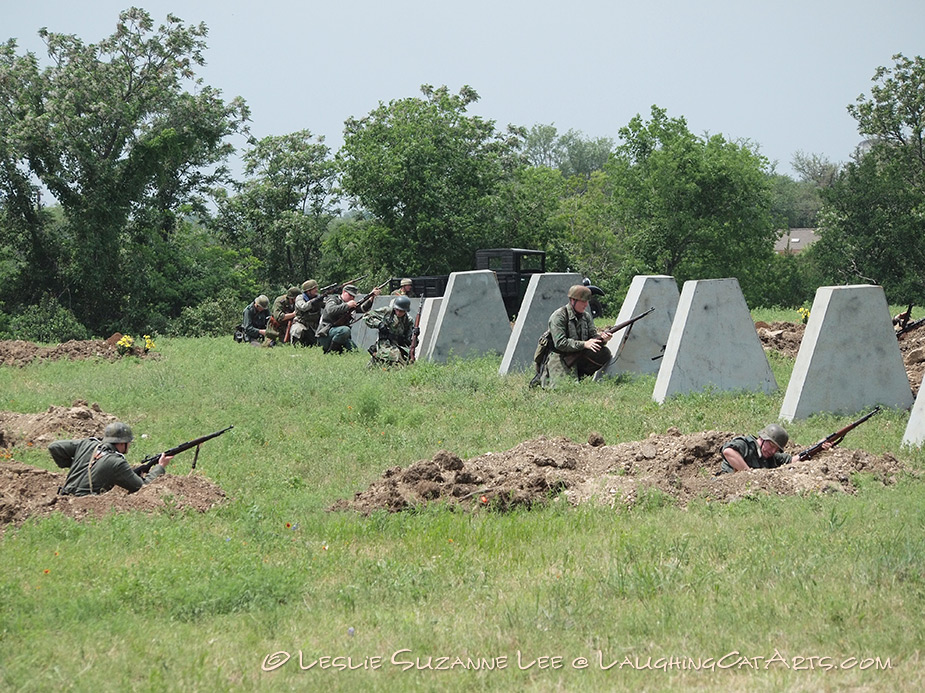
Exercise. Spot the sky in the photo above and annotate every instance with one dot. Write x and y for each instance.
(779, 74)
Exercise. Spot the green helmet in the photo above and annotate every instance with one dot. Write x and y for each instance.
(293, 292)
(309, 285)
(262, 301)
(402, 303)
(117, 432)
(776, 434)
(580, 293)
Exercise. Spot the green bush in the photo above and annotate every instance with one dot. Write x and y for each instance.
(216, 317)
(48, 322)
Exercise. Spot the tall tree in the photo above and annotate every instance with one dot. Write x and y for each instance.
(110, 130)
(689, 206)
(284, 207)
(427, 173)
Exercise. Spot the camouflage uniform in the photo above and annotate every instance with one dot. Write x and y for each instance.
(95, 467)
(394, 344)
(747, 446)
(568, 331)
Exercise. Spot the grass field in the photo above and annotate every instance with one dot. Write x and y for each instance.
(273, 592)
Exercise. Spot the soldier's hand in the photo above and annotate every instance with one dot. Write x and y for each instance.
(416, 331)
(351, 303)
(164, 460)
(593, 344)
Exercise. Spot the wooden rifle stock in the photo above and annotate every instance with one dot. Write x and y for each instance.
(834, 438)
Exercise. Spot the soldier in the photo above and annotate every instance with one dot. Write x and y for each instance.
(98, 465)
(254, 327)
(765, 451)
(405, 289)
(334, 332)
(578, 350)
(395, 332)
(308, 307)
(281, 315)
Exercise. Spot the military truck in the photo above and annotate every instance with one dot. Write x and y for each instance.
(513, 268)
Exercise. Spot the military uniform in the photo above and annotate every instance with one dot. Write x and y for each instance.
(747, 447)
(394, 343)
(277, 323)
(307, 317)
(254, 321)
(95, 467)
(334, 332)
(568, 331)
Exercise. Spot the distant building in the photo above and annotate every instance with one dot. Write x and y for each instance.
(795, 240)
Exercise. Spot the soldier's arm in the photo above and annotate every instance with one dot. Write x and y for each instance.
(63, 451)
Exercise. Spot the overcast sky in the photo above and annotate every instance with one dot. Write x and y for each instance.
(777, 73)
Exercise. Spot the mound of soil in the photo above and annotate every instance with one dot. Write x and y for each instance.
(681, 466)
(79, 420)
(20, 353)
(785, 338)
(27, 491)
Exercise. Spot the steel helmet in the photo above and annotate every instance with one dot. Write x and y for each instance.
(776, 434)
(402, 303)
(117, 432)
(406, 282)
(580, 293)
(293, 292)
(262, 301)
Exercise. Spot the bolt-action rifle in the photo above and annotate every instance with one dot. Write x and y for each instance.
(833, 438)
(571, 358)
(359, 306)
(915, 324)
(152, 460)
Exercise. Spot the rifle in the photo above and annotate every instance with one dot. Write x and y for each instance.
(359, 305)
(152, 460)
(416, 331)
(332, 288)
(833, 438)
(571, 358)
(909, 327)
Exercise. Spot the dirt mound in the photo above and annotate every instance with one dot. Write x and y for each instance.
(785, 337)
(80, 420)
(20, 353)
(681, 467)
(27, 491)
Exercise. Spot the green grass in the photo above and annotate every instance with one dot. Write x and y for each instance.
(200, 602)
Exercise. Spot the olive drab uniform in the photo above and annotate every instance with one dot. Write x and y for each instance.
(747, 446)
(307, 317)
(568, 331)
(95, 467)
(277, 325)
(394, 343)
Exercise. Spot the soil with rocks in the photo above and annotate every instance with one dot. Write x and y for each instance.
(785, 338)
(682, 467)
(27, 491)
(20, 353)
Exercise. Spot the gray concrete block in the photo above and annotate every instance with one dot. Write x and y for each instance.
(915, 428)
(428, 319)
(472, 320)
(712, 344)
(849, 358)
(635, 347)
(544, 294)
